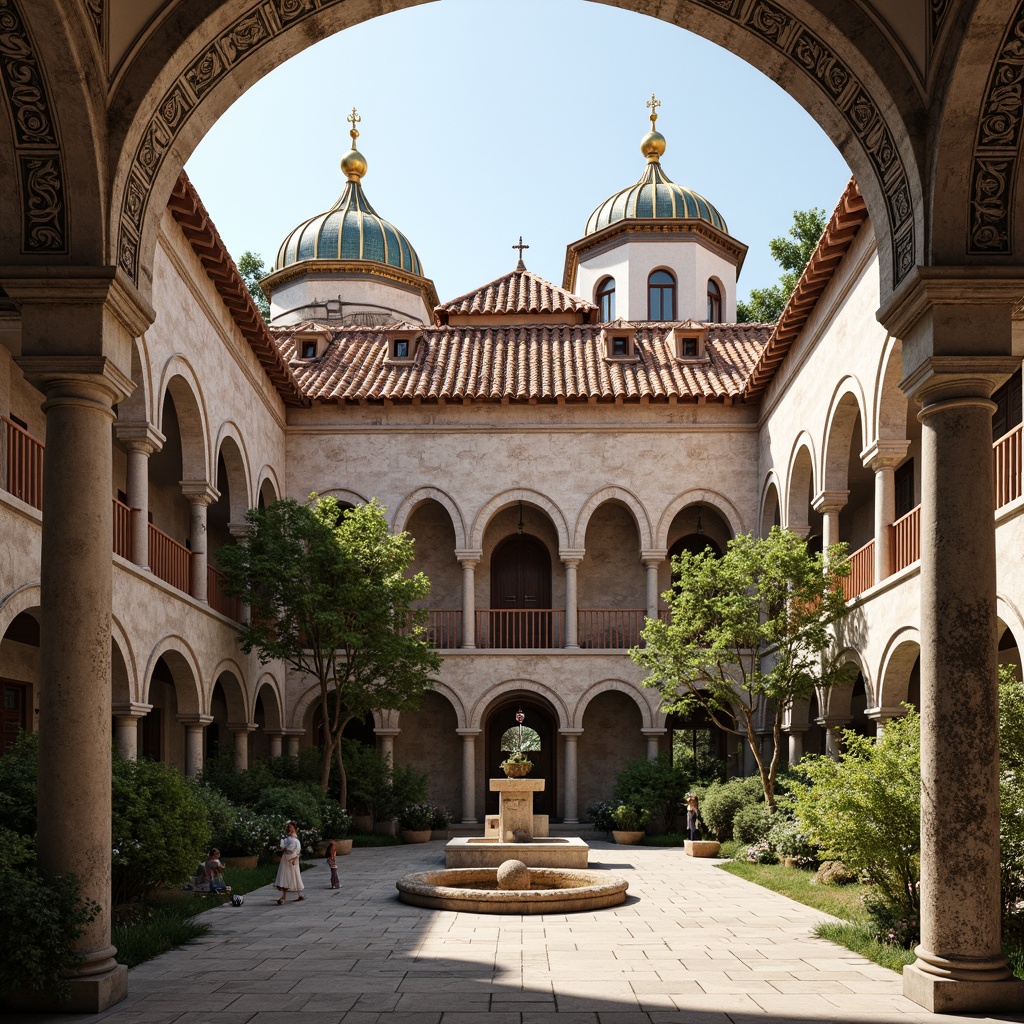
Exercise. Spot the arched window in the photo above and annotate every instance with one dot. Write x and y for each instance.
(714, 302)
(661, 296)
(606, 299)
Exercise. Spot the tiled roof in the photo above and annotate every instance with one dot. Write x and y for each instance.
(187, 209)
(525, 364)
(846, 220)
(517, 292)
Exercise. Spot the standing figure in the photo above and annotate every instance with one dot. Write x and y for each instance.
(289, 878)
(692, 817)
(332, 863)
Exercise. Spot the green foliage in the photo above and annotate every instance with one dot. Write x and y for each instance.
(252, 269)
(721, 800)
(1011, 800)
(221, 814)
(18, 770)
(158, 928)
(786, 839)
(442, 819)
(250, 834)
(335, 821)
(44, 921)
(792, 254)
(332, 596)
(600, 815)
(863, 940)
(865, 810)
(752, 823)
(297, 801)
(659, 785)
(160, 828)
(417, 817)
(378, 787)
(701, 766)
(746, 636)
(630, 818)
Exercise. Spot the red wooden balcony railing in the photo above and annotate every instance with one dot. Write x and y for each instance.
(906, 539)
(168, 559)
(520, 627)
(610, 628)
(862, 571)
(122, 529)
(218, 598)
(1007, 467)
(24, 464)
(444, 628)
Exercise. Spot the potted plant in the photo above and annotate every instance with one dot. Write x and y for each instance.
(440, 823)
(336, 824)
(629, 821)
(246, 839)
(415, 821)
(516, 765)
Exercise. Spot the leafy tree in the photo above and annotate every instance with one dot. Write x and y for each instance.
(1011, 798)
(749, 634)
(659, 785)
(330, 597)
(253, 270)
(792, 254)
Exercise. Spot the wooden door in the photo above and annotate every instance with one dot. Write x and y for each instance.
(538, 719)
(520, 582)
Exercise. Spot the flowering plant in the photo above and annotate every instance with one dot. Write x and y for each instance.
(417, 817)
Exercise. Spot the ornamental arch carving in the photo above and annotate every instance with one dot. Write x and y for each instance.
(619, 496)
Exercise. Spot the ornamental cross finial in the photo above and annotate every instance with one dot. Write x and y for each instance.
(353, 119)
(521, 247)
(653, 103)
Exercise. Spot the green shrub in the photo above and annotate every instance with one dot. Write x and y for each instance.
(335, 821)
(159, 828)
(442, 819)
(44, 921)
(600, 815)
(751, 823)
(221, 814)
(376, 786)
(19, 768)
(658, 784)
(250, 834)
(630, 818)
(721, 801)
(865, 810)
(1011, 801)
(292, 801)
(416, 817)
(786, 839)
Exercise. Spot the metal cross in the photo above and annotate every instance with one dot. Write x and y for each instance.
(521, 247)
(354, 119)
(653, 103)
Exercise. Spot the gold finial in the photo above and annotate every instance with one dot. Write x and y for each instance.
(653, 103)
(353, 163)
(520, 265)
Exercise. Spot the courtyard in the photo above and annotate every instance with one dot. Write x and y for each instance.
(692, 945)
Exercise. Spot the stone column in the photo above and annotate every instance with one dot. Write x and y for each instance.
(195, 730)
(386, 740)
(126, 727)
(653, 740)
(882, 458)
(200, 496)
(571, 561)
(292, 736)
(275, 743)
(830, 504)
(239, 531)
(77, 326)
(468, 774)
(652, 563)
(141, 440)
(468, 560)
(833, 739)
(240, 732)
(571, 776)
(881, 715)
(796, 742)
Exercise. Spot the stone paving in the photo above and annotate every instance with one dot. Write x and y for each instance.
(692, 945)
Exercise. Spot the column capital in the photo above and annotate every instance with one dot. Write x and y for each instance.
(468, 733)
(274, 732)
(132, 709)
(199, 720)
(653, 556)
(571, 556)
(76, 376)
(833, 723)
(199, 492)
(242, 727)
(939, 378)
(140, 437)
(386, 732)
(238, 530)
(830, 501)
(884, 454)
(884, 713)
(653, 732)
(793, 729)
(293, 732)
(570, 734)
(468, 557)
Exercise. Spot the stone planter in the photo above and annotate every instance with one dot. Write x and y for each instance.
(344, 846)
(415, 835)
(516, 769)
(242, 863)
(627, 838)
(363, 823)
(701, 848)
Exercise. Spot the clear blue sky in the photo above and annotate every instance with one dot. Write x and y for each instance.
(483, 121)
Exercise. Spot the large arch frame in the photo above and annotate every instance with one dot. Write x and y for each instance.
(770, 503)
(698, 496)
(272, 710)
(478, 711)
(179, 378)
(616, 496)
(231, 445)
(648, 714)
(511, 497)
(801, 482)
(237, 697)
(412, 501)
(178, 653)
(898, 656)
(847, 404)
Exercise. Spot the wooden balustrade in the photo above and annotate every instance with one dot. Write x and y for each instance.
(1006, 466)
(168, 559)
(862, 571)
(24, 464)
(501, 628)
(122, 529)
(218, 598)
(906, 539)
(615, 629)
(444, 628)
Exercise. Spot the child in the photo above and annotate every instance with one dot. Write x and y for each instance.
(214, 871)
(332, 863)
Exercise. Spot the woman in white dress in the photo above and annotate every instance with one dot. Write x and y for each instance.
(289, 878)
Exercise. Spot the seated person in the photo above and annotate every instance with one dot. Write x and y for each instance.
(213, 871)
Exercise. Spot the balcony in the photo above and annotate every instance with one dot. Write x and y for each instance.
(169, 560)
(862, 571)
(1007, 467)
(518, 628)
(24, 478)
(612, 629)
(218, 598)
(906, 539)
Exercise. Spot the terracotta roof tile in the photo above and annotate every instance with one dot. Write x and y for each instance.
(516, 293)
(524, 363)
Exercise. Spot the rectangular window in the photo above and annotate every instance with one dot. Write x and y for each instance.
(620, 346)
(904, 481)
(401, 349)
(309, 350)
(689, 347)
(1008, 407)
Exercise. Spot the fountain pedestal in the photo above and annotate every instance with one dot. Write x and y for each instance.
(515, 807)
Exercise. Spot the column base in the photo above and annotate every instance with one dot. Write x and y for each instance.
(91, 994)
(961, 995)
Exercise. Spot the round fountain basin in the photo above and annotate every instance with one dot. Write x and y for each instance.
(475, 891)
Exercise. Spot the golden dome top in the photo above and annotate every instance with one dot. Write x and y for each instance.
(353, 163)
(652, 145)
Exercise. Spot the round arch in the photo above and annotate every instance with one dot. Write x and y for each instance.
(21, 599)
(180, 380)
(890, 404)
(184, 666)
(836, 703)
(527, 497)
(698, 496)
(647, 713)
(344, 496)
(802, 483)
(231, 446)
(268, 489)
(846, 405)
(412, 501)
(495, 694)
(126, 689)
(138, 406)
(618, 496)
(901, 652)
(455, 700)
(234, 693)
(771, 504)
(269, 694)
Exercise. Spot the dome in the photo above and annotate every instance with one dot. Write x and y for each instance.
(350, 229)
(655, 196)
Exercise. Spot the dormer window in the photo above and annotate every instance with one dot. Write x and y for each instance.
(620, 345)
(689, 348)
(307, 350)
(688, 339)
(619, 342)
(401, 349)
(310, 344)
(402, 345)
